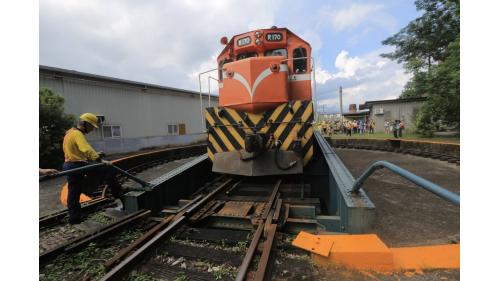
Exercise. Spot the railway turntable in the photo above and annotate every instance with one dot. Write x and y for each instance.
(264, 178)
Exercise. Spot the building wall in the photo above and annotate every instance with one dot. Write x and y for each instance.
(405, 111)
(143, 115)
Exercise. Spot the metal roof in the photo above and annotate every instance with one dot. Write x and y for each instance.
(95, 77)
(369, 104)
(357, 113)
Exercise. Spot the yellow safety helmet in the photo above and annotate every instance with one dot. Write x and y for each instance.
(90, 118)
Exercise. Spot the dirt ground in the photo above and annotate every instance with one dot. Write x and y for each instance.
(405, 213)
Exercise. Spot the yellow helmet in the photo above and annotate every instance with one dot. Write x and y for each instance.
(90, 118)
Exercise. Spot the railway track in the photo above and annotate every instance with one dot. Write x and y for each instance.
(228, 229)
(216, 211)
(416, 152)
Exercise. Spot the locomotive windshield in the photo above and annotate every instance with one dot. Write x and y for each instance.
(277, 52)
(246, 55)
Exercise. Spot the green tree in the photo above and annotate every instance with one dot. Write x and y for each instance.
(53, 123)
(429, 48)
(423, 42)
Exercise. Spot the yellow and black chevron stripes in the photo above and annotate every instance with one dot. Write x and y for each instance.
(287, 122)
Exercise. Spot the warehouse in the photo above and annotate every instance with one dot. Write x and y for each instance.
(135, 115)
(395, 109)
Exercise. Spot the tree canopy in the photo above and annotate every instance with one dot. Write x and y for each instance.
(429, 48)
(53, 124)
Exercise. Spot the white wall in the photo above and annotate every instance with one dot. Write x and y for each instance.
(142, 115)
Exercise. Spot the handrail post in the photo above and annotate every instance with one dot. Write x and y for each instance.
(425, 184)
(201, 100)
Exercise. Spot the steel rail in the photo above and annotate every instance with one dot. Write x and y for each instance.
(52, 219)
(425, 184)
(144, 238)
(243, 269)
(91, 236)
(179, 219)
(260, 274)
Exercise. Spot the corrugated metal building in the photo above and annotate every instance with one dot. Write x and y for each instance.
(396, 109)
(136, 115)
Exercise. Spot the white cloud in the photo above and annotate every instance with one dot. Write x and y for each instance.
(322, 76)
(348, 65)
(363, 78)
(161, 42)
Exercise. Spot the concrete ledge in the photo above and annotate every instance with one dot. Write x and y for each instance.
(400, 145)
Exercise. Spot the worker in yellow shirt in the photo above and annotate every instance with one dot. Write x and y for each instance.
(79, 153)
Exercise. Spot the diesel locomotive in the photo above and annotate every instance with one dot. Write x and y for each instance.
(263, 122)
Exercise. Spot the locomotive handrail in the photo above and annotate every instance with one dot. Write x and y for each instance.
(209, 93)
(425, 184)
(201, 99)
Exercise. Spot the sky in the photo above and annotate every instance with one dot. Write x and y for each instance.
(169, 42)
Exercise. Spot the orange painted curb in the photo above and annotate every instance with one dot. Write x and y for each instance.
(438, 256)
(368, 252)
(313, 243)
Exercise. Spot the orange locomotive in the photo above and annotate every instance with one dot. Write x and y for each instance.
(263, 124)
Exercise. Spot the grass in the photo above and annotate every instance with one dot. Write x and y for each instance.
(390, 136)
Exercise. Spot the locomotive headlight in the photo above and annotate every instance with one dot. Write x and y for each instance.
(257, 41)
(258, 34)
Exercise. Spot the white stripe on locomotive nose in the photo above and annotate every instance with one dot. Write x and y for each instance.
(299, 77)
(263, 75)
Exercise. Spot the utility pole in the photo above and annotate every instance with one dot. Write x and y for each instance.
(341, 113)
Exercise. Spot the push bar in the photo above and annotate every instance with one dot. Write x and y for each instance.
(92, 167)
(425, 184)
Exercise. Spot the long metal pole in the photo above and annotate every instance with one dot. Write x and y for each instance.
(341, 112)
(425, 184)
(92, 167)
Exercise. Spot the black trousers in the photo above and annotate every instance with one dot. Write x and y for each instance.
(86, 183)
(395, 131)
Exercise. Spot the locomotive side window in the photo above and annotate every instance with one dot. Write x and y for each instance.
(277, 52)
(299, 65)
(222, 63)
(246, 55)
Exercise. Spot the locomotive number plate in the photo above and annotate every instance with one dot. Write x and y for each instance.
(274, 37)
(243, 41)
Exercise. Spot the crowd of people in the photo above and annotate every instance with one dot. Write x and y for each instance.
(350, 127)
(395, 127)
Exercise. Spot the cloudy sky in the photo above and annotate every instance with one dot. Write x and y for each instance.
(168, 42)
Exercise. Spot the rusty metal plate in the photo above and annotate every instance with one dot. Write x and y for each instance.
(235, 209)
(312, 243)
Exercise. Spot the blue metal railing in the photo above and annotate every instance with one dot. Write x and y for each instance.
(427, 185)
